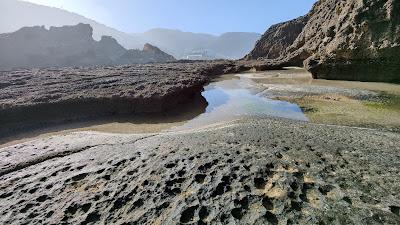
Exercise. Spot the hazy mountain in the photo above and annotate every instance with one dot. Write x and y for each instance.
(181, 44)
(16, 14)
(32, 47)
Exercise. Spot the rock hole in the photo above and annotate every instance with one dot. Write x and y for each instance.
(42, 198)
(259, 183)
(271, 218)
(348, 200)
(395, 209)
(170, 165)
(199, 178)
(92, 217)
(237, 213)
(79, 177)
(267, 203)
(296, 205)
(188, 214)
(203, 213)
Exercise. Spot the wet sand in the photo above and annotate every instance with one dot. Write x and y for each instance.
(299, 76)
(348, 103)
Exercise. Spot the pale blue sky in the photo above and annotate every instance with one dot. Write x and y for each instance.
(208, 16)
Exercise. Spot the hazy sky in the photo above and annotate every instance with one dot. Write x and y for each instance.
(208, 16)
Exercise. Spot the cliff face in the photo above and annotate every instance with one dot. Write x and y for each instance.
(65, 46)
(277, 39)
(351, 40)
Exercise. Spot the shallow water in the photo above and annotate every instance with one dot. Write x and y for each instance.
(234, 96)
(229, 97)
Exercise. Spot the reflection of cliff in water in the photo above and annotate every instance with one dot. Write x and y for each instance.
(235, 97)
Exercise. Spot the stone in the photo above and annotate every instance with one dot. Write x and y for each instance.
(234, 173)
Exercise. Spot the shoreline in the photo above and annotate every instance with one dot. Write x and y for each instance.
(286, 84)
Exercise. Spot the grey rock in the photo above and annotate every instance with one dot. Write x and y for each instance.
(252, 171)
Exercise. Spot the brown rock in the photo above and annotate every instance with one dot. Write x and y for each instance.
(351, 40)
(277, 39)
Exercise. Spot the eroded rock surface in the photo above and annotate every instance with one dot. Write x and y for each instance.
(350, 40)
(252, 171)
(40, 97)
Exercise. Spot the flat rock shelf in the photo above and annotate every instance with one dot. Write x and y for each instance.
(250, 171)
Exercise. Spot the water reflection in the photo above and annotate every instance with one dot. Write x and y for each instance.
(233, 98)
(221, 101)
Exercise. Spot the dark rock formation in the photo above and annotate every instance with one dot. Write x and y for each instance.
(36, 98)
(149, 54)
(296, 173)
(351, 40)
(42, 97)
(67, 46)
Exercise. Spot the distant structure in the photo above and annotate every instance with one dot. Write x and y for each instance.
(200, 55)
(194, 57)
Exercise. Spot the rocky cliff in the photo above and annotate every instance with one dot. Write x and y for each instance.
(277, 39)
(67, 46)
(351, 40)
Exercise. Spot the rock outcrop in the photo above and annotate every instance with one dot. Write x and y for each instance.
(277, 39)
(32, 47)
(236, 173)
(351, 40)
(149, 54)
(42, 97)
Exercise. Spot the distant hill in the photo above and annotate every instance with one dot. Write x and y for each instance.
(179, 44)
(33, 47)
(16, 14)
(182, 44)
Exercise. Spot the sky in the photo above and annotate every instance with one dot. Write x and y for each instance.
(201, 16)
